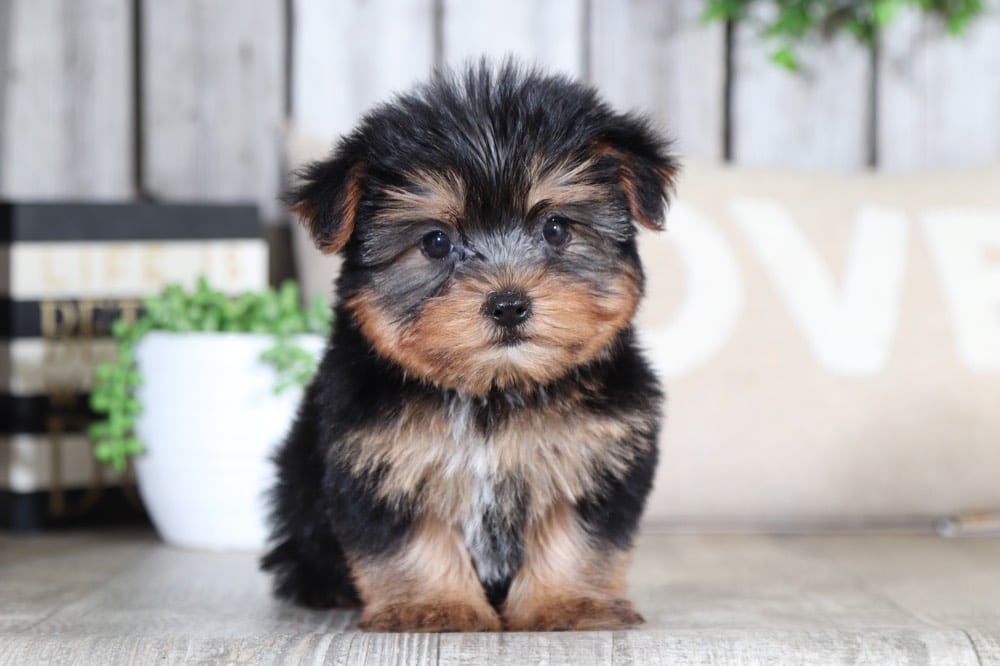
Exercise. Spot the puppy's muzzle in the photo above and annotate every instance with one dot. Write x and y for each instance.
(508, 308)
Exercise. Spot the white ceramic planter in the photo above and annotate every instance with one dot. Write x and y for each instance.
(210, 423)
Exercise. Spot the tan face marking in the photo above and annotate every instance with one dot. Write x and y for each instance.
(452, 344)
(436, 195)
(345, 213)
(563, 185)
(628, 181)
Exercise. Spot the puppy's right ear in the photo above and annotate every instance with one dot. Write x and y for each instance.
(327, 200)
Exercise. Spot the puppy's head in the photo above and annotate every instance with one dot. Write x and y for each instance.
(488, 225)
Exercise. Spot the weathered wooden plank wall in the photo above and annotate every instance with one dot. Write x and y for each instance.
(68, 100)
(817, 117)
(660, 57)
(213, 90)
(348, 56)
(5, 40)
(939, 96)
(548, 32)
(216, 103)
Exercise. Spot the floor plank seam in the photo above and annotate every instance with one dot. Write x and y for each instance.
(972, 642)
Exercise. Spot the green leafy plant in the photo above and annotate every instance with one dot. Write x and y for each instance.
(794, 21)
(275, 312)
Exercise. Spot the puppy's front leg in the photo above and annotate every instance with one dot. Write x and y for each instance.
(428, 585)
(567, 580)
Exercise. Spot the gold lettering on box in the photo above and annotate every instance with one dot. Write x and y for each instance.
(129, 311)
(59, 319)
(50, 278)
(69, 330)
(232, 261)
(85, 309)
(112, 264)
(151, 272)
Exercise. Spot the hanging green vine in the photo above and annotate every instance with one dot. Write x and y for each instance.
(271, 312)
(794, 21)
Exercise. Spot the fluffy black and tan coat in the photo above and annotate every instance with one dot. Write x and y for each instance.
(478, 443)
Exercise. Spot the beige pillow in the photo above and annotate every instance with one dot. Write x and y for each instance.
(830, 344)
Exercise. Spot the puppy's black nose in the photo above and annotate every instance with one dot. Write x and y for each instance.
(508, 308)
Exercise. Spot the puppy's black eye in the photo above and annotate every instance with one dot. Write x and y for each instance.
(437, 245)
(555, 231)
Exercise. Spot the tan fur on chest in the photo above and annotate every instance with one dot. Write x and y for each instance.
(432, 452)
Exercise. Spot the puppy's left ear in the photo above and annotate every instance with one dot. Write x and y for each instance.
(646, 170)
(327, 200)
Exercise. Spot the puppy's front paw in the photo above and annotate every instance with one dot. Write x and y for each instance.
(439, 616)
(579, 613)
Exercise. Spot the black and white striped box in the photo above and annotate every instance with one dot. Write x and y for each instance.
(67, 270)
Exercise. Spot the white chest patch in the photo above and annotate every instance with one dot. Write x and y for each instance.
(479, 525)
(489, 536)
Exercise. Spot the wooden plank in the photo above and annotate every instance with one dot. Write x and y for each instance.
(6, 31)
(67, 127)
(333, 83)
(817, 118)
(213, 84)
(986, 644)
(267, 647)
(581, 647)
(857, 644)
(41, 575)
(754, 582)
(939, 95)
(661, 58)
(366, 649)
(952, 582)
(547, 32)
(124, 598)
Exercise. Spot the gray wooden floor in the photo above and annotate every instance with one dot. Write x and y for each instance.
(125, 598)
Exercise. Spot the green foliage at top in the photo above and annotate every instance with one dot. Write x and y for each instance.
(271, 312)
(793, 21)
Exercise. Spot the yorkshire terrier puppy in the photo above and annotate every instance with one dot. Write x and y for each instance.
(476, 448)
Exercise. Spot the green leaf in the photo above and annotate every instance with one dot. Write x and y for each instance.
(132, 446)
(785, 57)
(98, 430)
(794, 22)
(885, 12)
(119, 328)
(117, 460)
(723, 10)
